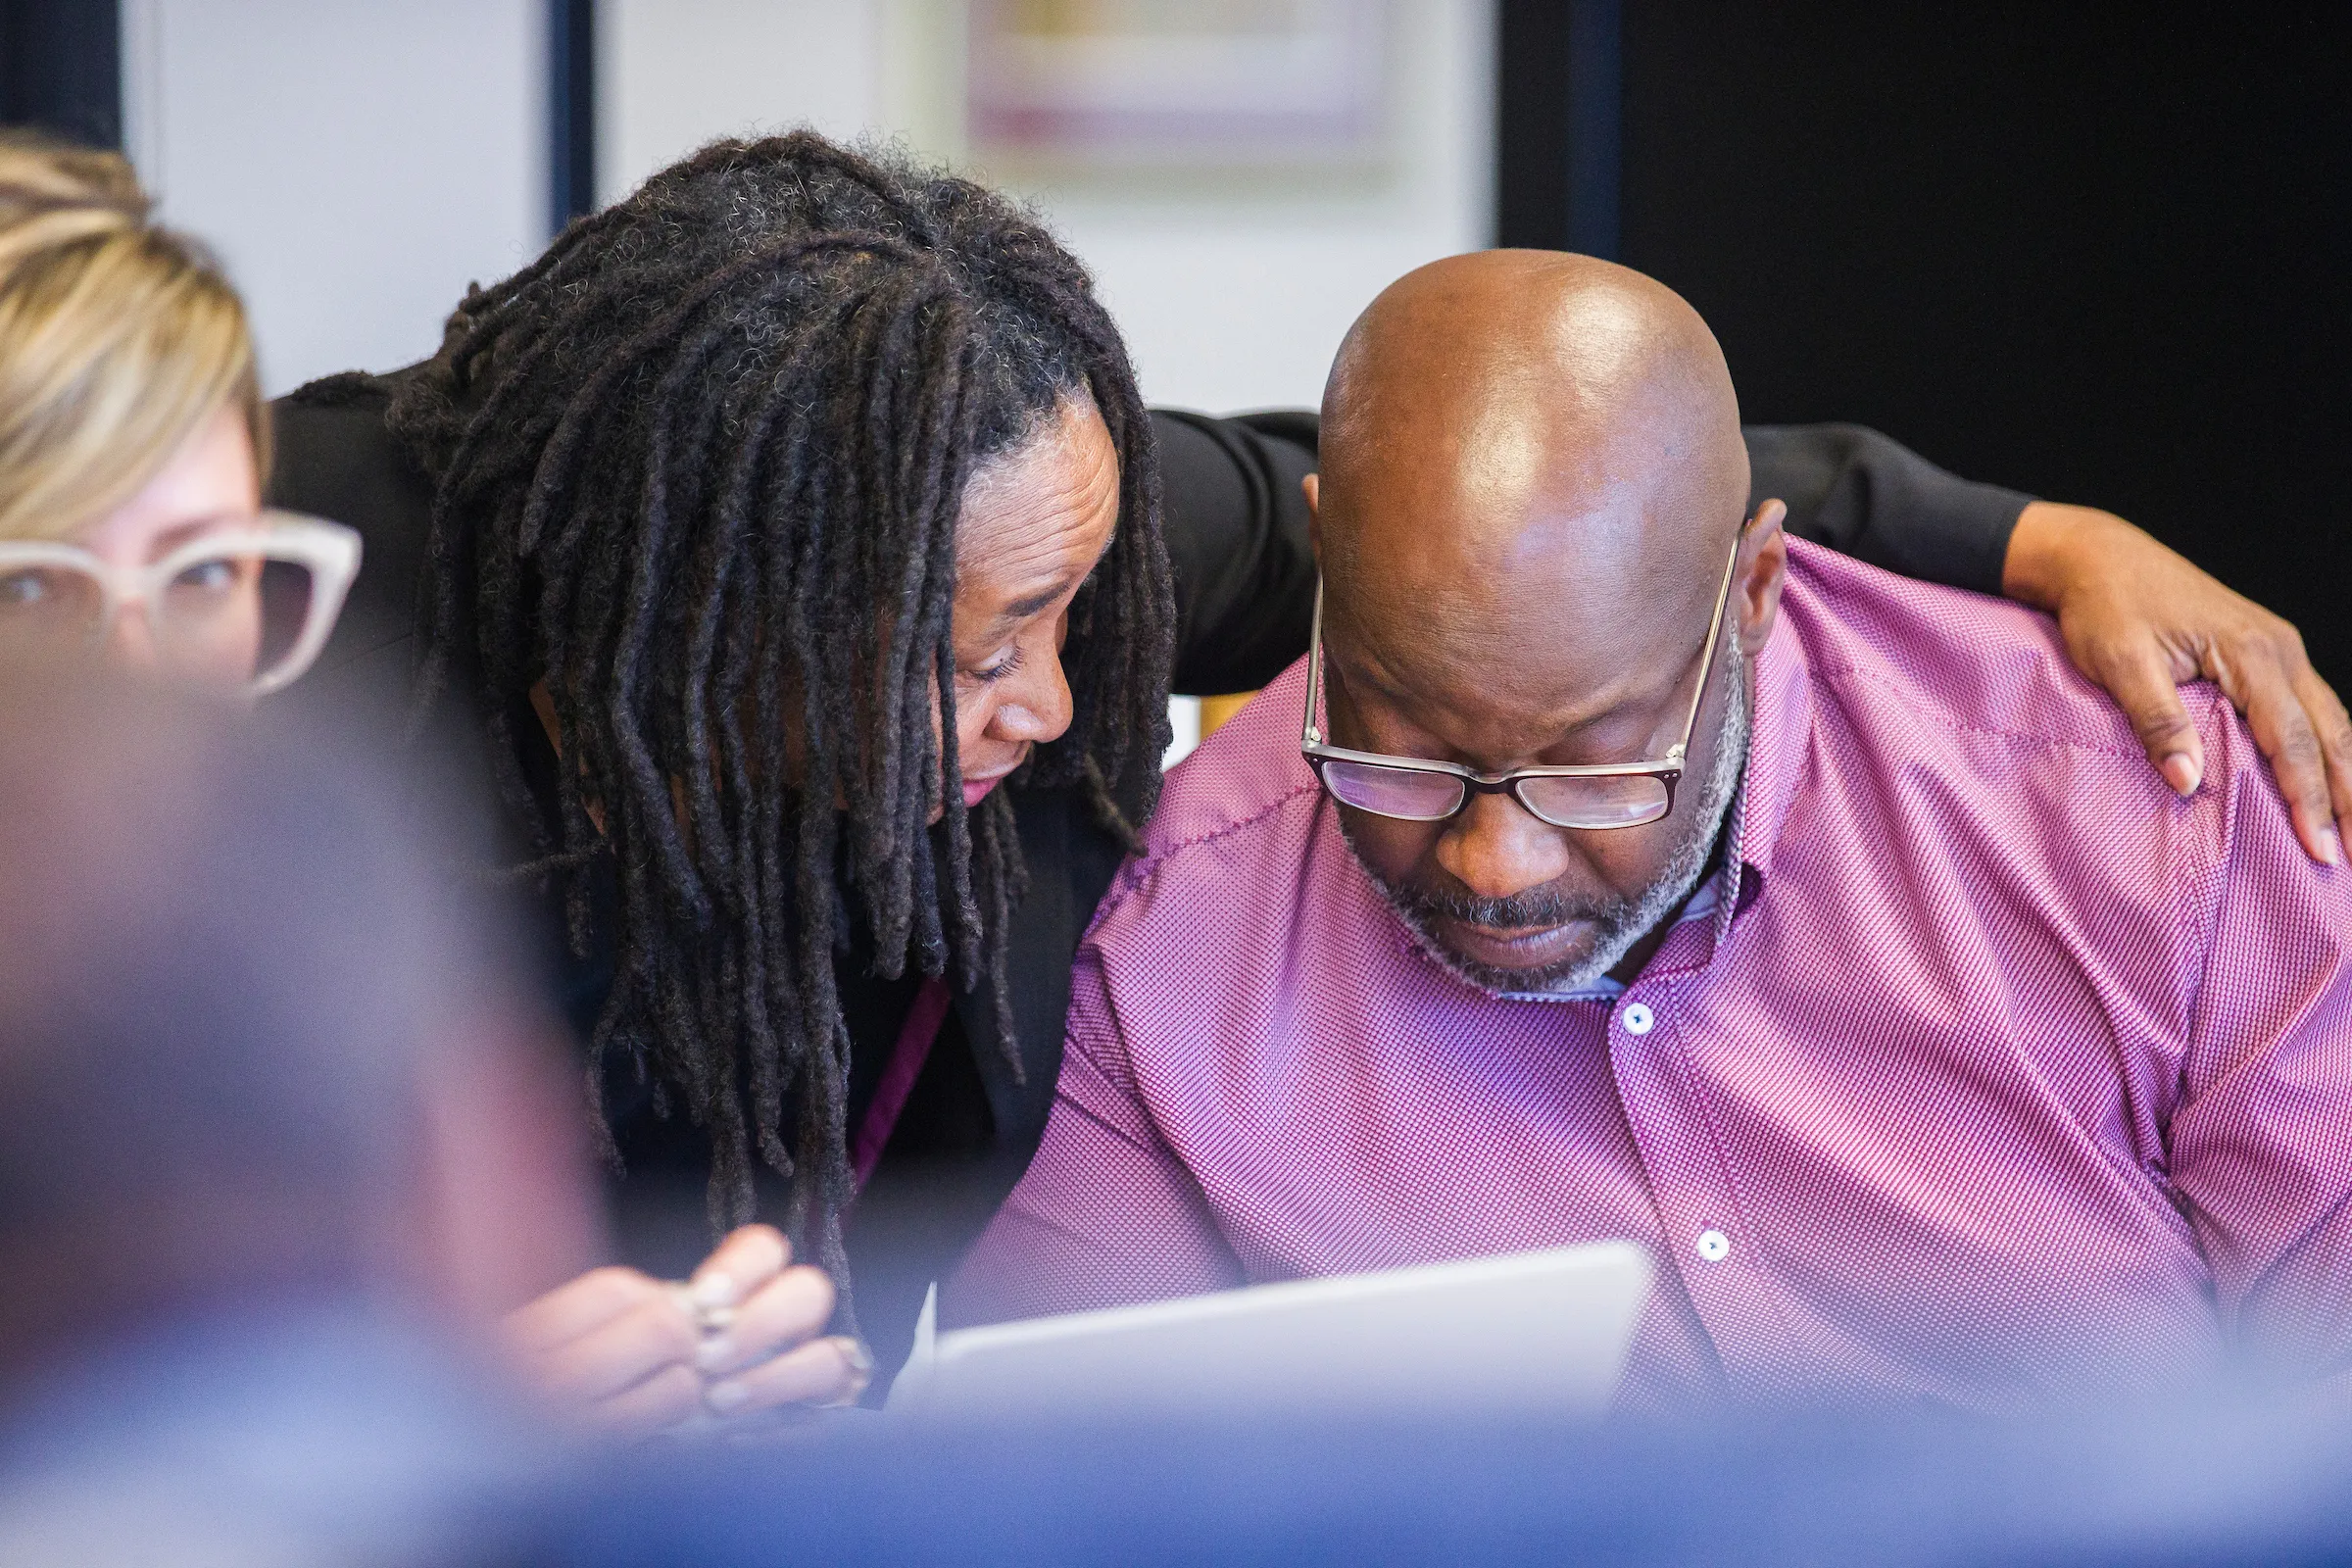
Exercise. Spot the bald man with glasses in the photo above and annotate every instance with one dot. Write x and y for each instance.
(1636, 871)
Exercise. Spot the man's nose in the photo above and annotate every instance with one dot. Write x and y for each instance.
(1035, 704)
(1496, 850)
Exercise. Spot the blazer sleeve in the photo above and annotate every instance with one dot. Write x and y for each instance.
(1876, 500)
(1234, 520)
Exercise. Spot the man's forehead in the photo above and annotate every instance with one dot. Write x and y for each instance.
(1491, 583)
(1505, 637)
(1501, 478)
(1532, 469)
(1490, 559)
(1495, 705)
(1546, 639)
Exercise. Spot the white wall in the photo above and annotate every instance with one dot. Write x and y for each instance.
(356, 163)
(1232, 294)
(1238, 299)
(673, 73)
(359, 162)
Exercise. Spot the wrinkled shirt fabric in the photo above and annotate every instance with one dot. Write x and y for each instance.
(1996, 1074)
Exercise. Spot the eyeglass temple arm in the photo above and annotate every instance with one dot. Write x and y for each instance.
(1707, 653)
(1314, 669)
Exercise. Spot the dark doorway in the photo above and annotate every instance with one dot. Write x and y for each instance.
(571, 110)
(2099, 253)
(61, 68)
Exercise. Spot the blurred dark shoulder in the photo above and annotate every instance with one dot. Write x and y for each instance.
(336, 459)
(1236, 523)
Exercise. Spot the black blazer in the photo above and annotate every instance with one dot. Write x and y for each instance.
(1235, 529)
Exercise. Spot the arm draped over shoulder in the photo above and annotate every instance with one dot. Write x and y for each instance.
(1236, 525)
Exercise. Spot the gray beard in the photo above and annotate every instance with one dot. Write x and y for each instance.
(1620, 923)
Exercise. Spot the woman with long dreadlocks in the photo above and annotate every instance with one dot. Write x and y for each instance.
(792, 533)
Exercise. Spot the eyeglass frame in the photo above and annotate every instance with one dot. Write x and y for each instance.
(331, 550)
(1667, 769)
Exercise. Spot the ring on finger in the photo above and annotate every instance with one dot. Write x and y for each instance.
(861, 1374)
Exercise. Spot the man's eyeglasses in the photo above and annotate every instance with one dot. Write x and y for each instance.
(1412, 789)
(248, 609)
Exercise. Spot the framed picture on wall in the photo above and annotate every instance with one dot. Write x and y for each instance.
(1123, 84)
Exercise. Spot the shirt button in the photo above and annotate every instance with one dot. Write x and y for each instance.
(1714, 1246)
(1637, 1018)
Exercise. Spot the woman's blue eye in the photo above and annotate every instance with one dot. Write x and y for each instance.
(207, 577)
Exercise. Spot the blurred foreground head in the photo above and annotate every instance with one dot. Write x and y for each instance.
(251, 1049)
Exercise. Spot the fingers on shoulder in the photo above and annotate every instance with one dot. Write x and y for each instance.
(2285, 640)
(2334, 726)
(2299, 724)
(2282, 727)
(2143, 678)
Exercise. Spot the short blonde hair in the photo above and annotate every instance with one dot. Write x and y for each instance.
(118, 339)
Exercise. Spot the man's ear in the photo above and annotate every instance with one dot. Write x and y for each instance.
(1756, 585)
(1313, 485)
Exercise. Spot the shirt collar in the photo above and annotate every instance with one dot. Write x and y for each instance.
(1779, 749)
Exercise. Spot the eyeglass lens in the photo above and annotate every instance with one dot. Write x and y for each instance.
(48, 603)
(231, 618)
(1400, 791)
(1620, 800)
(1603, 801)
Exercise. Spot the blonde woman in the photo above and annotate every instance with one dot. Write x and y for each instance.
(133, 441)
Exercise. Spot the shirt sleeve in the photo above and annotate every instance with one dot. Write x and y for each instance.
(1876, 500)
(1107, 1214)
(2260, 1144)
(1235, 522)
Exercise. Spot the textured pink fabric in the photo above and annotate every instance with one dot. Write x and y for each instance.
(2003, 1074)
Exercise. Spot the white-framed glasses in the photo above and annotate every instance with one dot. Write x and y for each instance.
(248, 608)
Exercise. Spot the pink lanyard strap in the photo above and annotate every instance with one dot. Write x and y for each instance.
(907, 1060)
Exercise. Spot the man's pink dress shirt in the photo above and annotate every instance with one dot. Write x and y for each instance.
(2001, 1075)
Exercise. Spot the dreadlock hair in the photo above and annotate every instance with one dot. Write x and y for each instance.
(698, 469)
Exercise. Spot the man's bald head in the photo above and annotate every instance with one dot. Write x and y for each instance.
(1531, 478)
(1510, 430)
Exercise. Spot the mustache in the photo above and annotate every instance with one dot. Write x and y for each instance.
(1537, 907)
